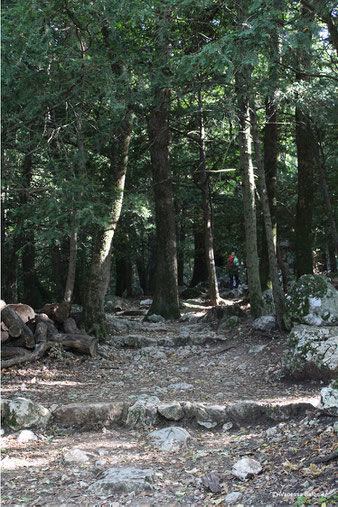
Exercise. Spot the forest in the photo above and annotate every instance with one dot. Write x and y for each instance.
(143, 142)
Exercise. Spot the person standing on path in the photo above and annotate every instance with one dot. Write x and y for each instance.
(233, 270)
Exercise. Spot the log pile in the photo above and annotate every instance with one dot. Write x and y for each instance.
(27, 336)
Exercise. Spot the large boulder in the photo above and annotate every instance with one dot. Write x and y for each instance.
(312, 353)
(21, 413)
(144, 412)
(169, 439)
(313, 300)
(124, 480)
(329, 398)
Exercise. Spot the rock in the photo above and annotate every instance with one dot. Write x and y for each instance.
(191, 293)
(87, 414)
(134, 341)
(211, 481)
(313, 301)
(245, 412)
(232, 498)
(329, 398)
(268, 302)
(312, 353)
(246, 468)
(116, 304)
(26, 436)
(227, 426)
(230, 323)
(146, 302)
(21, 413)
(207, 424)
(152, 352)
(75, 455)
(117, 325)
(172, 411)
(169, 439)
(124, 480)
(180, 386)
(256, 349)
(143, 412)
(155, 318)
(265, 323)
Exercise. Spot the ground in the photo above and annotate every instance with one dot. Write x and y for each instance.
(295, 455)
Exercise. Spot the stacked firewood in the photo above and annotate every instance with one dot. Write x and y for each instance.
(27, 336)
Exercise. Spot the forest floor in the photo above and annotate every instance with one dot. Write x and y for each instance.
(239, 365)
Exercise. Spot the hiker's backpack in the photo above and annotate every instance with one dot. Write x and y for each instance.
(230, 262)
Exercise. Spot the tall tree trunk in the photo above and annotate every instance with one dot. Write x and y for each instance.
(94, 317)
(165, 299)
(73, 239)
(180, 254)
(249, 203)
(73, 242)
(124, 271)
(200, 270)
(304, 261)
(207, 217)
(270, 169)
(327, 201)
(278, 295)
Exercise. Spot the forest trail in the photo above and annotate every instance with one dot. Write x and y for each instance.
(213, 366)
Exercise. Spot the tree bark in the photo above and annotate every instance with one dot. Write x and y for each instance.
(165, 298)
(304, 238)
(200, 270)
(94, 317)
(278, 295)
(249, 203)
(10, 318)
(207, 217)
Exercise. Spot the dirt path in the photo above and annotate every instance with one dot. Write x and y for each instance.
(231, 366)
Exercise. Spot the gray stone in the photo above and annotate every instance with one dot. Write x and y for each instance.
(143, 412)
(118, 325)
(124, 480)
(256, 349)
(312, 353)
(75, 455)
(152, 352)
(232, 498)
(155, 318)
(329, 398)
(246, 468)
(181, 386)
(265, 323)
(87, 414)
(245, 412)
(231, 322)
(26, 436)
(21, 413)
(169, 439)
(172, 411)
(207, 424)
(313, 300)
(134, 341)
(146, 302)
(268, 302)
(227, 426)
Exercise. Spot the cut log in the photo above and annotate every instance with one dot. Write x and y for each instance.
(4, 335)
(10, 318)
(41, 332)
(58, 312)
(25, 312)
(23, 341)
(77, 342)
(2, 304)
(23, 355)
(51, 328)
(70, 326)
(14, 331)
